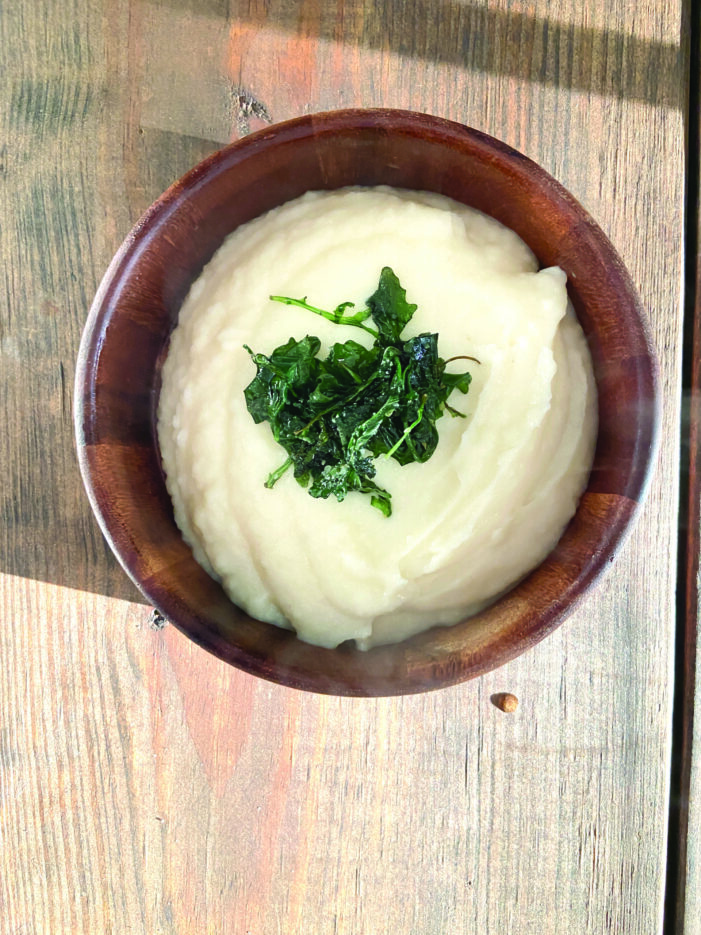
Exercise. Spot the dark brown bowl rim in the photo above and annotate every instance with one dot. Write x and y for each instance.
(506, 647)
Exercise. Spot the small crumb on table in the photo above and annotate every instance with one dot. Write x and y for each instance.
(505, 701)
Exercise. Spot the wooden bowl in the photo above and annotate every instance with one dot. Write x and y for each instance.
(137, 305)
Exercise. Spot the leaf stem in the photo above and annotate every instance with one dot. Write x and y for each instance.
(463, 357)
(275, 476)
(408, 430)
(337, 316)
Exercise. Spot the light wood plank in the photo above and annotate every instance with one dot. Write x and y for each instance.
(145, 786)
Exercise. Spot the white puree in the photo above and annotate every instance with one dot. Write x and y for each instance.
(482, 512)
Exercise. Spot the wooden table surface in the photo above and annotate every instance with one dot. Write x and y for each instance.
(146, 787)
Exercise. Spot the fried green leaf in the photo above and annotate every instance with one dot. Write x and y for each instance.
(335, 416)
(390, 310)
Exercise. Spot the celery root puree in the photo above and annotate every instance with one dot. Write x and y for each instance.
(467, 524)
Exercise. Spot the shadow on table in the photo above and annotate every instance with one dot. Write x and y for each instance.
(47, 531)
(53, 537)
(471, 36)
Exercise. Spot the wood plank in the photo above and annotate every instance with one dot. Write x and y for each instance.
(145, 786)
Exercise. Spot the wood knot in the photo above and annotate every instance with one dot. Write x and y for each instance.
(156, 620)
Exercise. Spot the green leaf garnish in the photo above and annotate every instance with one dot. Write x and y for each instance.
(389, 307)
(335, 416)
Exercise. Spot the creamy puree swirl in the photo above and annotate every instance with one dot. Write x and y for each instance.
(467, 524)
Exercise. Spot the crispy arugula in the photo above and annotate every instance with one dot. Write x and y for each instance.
(334, 416)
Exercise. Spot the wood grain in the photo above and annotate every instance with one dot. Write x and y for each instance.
(145, 786)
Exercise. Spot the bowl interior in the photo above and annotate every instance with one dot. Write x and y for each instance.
(126, 339)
